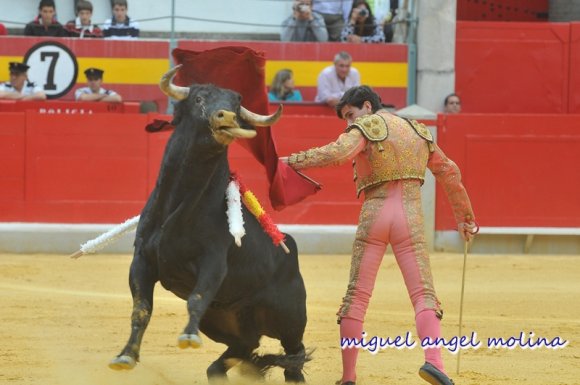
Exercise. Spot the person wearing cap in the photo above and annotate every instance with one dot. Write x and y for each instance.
(45, 24)
(94, 92)
(19, 87)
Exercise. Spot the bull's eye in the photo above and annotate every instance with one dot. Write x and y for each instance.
(198, 99)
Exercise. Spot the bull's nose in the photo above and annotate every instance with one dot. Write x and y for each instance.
(225, 118)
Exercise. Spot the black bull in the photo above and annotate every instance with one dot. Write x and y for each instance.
(234, 294)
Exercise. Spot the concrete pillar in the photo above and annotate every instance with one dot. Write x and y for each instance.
(435, 52)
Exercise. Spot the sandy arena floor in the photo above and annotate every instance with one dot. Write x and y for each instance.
(62, 320)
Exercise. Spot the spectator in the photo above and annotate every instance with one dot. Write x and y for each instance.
(45, 24)
(452, 104)
(19, 87)
(385, 11)
(334, 80)
(362, 26)
(334, 13)
(94, 92)
(304, 25)
(3, 30)
(82, 26)
(120, 26)
(282, 88)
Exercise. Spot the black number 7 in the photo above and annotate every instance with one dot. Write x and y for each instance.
(50, 86)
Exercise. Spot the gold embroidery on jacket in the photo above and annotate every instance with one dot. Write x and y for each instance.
(373, 127)
(421, 130)
(403, 155)
(332, 154)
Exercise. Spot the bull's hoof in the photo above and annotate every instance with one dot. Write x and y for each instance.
(123, 362)
(189, 341)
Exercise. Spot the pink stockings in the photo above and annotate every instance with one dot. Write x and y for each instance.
(391, 213)
(427, 326)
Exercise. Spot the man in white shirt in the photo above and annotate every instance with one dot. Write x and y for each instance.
(19, 87)
(334, 80)
(94, 92)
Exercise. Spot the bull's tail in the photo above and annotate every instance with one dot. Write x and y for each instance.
(291, 362)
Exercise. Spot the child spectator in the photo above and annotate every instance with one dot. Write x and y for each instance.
(45, 23)
(120, 26)
(282, 88)
(82, 26)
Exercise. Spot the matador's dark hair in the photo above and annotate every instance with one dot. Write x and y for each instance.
(356, 96)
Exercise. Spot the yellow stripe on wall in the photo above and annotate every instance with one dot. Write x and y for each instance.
(149, 71)
(125, 71)
(374, 74)
(4, 71)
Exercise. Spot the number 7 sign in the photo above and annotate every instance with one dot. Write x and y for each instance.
(53, 66)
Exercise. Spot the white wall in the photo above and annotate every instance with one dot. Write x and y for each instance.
(217, 16)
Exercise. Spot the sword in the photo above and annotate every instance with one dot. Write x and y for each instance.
(465, 244)
(461, 301)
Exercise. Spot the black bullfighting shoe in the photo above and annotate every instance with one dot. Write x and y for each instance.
(434, 376)
(344, 383)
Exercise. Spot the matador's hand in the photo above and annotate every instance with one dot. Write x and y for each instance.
(283, 159)
(467, 230)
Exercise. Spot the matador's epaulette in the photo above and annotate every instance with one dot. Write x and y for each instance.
(421, 130)
(373, 127)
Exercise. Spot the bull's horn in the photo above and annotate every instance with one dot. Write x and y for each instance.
(171, 89)
(260, 120)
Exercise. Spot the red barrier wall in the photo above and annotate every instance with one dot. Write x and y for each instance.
(519, 170)
(12, 150)
(72, 169)
(574, 90)
(516, 67)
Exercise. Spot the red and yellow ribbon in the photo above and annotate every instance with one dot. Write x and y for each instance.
(258, 211)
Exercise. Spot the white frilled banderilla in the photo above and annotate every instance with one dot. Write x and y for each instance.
(107, 238)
